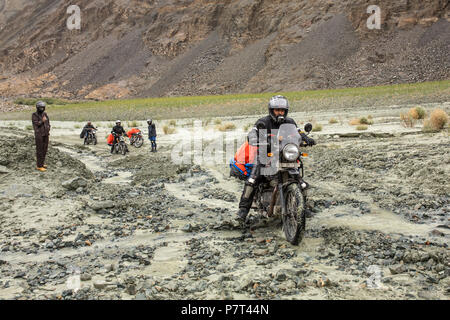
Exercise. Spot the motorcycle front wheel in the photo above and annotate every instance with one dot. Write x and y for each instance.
(123, 148)
(294, 219)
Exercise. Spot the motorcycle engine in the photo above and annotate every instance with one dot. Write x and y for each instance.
(266, 197)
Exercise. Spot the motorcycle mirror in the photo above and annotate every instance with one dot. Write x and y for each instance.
(308, 127)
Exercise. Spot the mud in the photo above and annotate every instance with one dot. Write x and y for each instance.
(141, 227)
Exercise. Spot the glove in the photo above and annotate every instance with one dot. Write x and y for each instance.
(309, 141)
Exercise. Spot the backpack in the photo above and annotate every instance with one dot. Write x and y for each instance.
(242, 164)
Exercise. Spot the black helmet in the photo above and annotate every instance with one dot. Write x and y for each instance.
(278, 102)
(40, 106)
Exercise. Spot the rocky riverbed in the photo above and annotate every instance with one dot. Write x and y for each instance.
(102, 226)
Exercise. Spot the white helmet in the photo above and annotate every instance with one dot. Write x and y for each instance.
(118, 121)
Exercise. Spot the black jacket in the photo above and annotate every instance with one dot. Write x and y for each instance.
(118, 130)
(268, 124)
(41, 128)
(152, 130)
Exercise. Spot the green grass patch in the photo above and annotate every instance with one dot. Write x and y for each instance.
(317, 127)
(243, 104)
(362, 127)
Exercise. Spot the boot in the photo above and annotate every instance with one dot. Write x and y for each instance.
(242, 214)
(41, 169)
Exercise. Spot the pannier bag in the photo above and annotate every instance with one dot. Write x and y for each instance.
(110, 139)
(133, 131)
(242, 164)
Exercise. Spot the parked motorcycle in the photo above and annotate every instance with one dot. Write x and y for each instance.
(283, 192)
(137, 140)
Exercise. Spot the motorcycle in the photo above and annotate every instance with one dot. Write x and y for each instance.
(91, 137)
(283, 192)
(121, 146)
(137, 140)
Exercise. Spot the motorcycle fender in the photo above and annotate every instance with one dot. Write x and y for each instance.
(303, 184)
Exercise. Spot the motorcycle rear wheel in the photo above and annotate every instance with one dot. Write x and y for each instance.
(138, 142)
(294, 220)
(123, 148)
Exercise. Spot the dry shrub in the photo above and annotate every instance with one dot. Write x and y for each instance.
(362, 127)
(226, 127)
(317, 127)
(173, 123)
(362, 120)
(168, 130)
(407, 120)
(421, 112)
(354, 122)
(332, 121)
(412, 113)
(438, 119)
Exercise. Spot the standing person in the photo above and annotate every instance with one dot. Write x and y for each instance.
(152, 134)
(41, 126)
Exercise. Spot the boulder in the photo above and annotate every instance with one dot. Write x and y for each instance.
(101, 205)
(75, 183)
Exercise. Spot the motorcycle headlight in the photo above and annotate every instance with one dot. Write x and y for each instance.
(291, 152)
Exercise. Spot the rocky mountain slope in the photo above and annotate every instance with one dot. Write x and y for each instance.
(140, 48)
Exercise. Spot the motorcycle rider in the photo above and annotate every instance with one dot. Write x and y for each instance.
(278, 111)
(88, 127)
(152, 134)
(117, 131)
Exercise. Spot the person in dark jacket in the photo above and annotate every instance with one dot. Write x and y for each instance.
(41, 126)
(278, 111)
(152, 134)
(117, 131)
(88, 127)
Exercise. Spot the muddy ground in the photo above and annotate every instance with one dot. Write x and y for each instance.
(141, 227)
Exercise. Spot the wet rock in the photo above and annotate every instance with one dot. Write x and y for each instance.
(101, 205)
(140, 296)
(131, 289)
(4, 169)
(398, 268)
(187, 228)
(75, 183)
(261, 252)
(437, 233)
(100, 284)
(85, 277)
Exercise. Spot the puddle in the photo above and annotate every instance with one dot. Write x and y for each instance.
(168, 261)
(122, 177)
